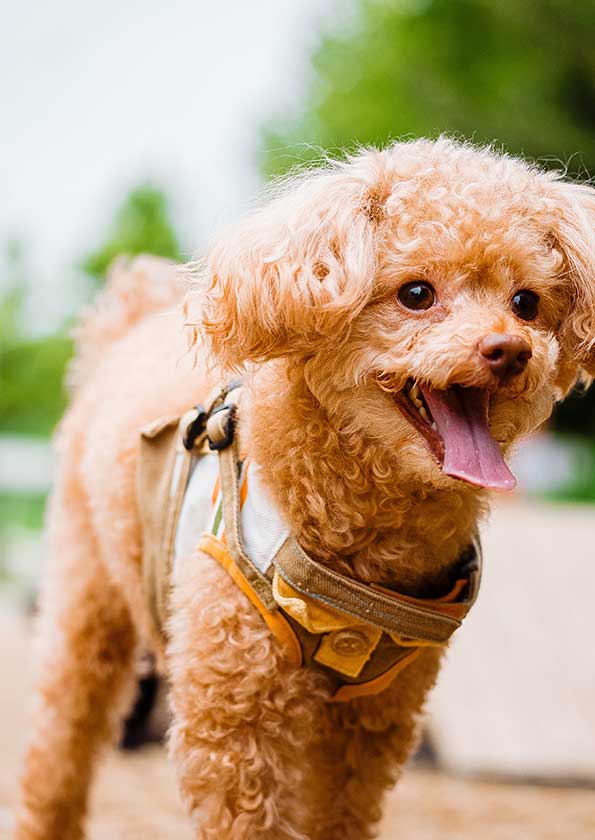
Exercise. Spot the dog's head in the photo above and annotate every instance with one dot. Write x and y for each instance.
(439, 298)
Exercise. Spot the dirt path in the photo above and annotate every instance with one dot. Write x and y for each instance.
(135, 797)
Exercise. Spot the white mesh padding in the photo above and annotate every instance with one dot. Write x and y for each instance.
(263, 529)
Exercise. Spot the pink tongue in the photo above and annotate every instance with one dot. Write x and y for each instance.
(470, 452)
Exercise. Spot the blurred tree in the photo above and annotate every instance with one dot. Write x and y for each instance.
(519, 74)
(31, 369)
(11, 303)
(32, 396)
(141, 226)
(10, 313)
(522, 74)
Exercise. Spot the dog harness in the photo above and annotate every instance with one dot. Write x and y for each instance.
(198, 490)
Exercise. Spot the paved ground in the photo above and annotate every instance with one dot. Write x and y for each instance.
(517, 693)
(135, 796)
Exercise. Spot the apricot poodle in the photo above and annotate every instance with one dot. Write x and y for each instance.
(401, 318)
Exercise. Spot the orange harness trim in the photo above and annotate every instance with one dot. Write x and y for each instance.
(376, 685)
(277, 624)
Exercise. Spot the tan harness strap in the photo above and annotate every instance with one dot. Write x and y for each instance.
(225, 438)
(160, 491)
(166, 451)
(230, 497)
(365, 603)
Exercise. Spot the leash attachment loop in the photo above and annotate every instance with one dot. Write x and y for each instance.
(220, 427)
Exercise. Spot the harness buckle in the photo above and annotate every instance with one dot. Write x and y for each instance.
(198, 421)
(195, 427)
(221, 427)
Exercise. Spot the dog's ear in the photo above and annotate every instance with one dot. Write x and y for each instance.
(574, 235)
(294, 272)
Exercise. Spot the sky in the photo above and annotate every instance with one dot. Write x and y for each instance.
(99, 96)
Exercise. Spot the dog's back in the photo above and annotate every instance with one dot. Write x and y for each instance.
(134, 290)
(132, 366)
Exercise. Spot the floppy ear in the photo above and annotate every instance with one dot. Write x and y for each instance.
(294, 272)
(574, 232)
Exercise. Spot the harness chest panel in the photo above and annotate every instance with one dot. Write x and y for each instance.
(262, 528)
(192, 497)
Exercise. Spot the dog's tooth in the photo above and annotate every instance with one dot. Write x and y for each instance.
(434, 426)
(424, 413)
(414, 394)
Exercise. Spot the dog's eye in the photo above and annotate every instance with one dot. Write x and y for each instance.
(417, 295)
(525, 305)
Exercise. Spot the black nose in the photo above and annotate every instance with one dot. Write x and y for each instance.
(506, 355)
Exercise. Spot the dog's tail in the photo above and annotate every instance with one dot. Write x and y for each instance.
(134, 289)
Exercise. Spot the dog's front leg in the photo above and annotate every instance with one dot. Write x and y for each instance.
(243, 717)
(364, 746)
(84, 667)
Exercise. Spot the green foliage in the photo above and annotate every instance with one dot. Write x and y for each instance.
(576, 415)
(141, 226)
(24, 510)
(31, 369)
(32, 396)
(581, 486)
(10, 311)
(522, 74)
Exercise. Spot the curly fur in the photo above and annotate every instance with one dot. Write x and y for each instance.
(303, 295)
(126, 299)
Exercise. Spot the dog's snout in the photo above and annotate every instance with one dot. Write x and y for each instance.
(506, 355)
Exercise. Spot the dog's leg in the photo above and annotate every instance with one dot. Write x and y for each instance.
(85, 640)
(364, 747)
(242, 716)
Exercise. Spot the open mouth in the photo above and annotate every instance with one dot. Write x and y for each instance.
(454, 423)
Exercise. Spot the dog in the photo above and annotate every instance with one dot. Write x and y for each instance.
(401, 318)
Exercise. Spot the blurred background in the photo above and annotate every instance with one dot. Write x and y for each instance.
(130, 129)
